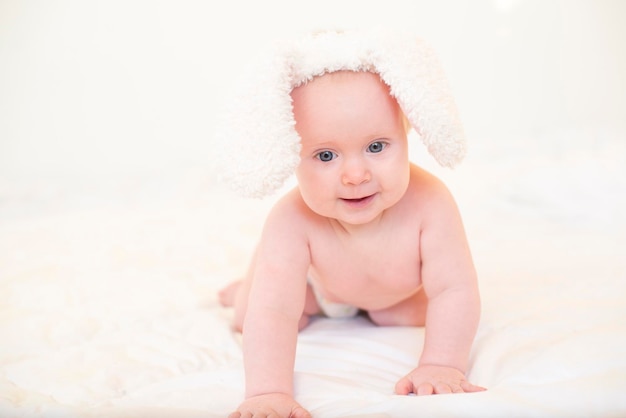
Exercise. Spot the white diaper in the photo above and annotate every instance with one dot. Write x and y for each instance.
(333, 309)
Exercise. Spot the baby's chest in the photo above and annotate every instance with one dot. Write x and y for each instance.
(388, 263)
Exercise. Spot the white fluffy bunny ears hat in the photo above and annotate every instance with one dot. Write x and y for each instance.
(257, 132)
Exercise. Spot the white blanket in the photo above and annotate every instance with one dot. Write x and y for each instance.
(108, 301)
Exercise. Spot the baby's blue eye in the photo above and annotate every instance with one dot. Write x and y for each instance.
(326, 156)
(376, 147)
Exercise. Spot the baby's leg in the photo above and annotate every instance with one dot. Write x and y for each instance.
(227, 294)
(311, 307)
(236, 293)
(409, 312)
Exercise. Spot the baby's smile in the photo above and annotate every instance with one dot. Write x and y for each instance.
(359, 202)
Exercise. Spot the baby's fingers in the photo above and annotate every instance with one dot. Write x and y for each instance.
(468, 387)
(300, 412)
(444, 388)
(404, 386)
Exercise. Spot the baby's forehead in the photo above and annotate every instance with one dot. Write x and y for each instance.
(345, 104)
(342, 77)
(358, 85)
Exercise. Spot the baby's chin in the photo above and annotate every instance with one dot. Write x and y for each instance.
(361, 211)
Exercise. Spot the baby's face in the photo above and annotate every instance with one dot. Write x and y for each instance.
(354, 158)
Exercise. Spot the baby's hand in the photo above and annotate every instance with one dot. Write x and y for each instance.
(429, 380)
(270, 405)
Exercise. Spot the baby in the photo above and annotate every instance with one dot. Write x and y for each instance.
(364, 229)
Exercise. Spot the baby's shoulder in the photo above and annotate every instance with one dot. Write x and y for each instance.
(427, 191)
(286, 223)
(426, 183)
(290, 209)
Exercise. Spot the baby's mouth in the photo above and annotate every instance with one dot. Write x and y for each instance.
(359, 201)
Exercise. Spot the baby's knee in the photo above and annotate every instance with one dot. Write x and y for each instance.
(410, 312)
(395, 318)
(238, 318)
(238, 326)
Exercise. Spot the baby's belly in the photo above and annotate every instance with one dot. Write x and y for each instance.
(367, 293)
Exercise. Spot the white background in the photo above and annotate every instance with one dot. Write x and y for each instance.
(94, 89)
(114, 240)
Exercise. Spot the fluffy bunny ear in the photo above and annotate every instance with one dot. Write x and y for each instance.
(257, 131)
(260, 147)
(416, 79)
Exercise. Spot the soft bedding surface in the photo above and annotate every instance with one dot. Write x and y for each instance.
(108, 301)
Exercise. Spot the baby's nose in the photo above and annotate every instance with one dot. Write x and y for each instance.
(355, 172)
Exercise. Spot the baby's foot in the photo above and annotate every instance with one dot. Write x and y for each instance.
(227, 294)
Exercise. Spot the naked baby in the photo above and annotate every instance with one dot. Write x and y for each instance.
(364, 229)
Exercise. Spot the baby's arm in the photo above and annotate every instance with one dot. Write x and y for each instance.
(275, 305)
(450, 283)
